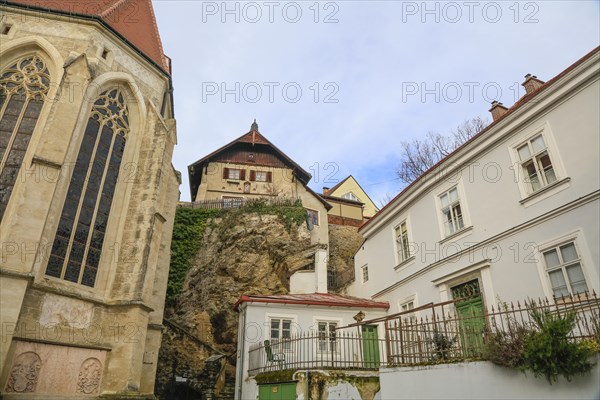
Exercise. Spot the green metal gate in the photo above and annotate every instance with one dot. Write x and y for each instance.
(277, 391)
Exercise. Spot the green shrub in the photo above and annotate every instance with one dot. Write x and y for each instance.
(442, 345)
(506, 348)
(548, 350)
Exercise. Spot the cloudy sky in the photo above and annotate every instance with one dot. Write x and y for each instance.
(339, 85)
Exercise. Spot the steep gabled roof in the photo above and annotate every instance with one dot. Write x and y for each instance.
(515, 107)
(329, 192)
(314, 299)
(253, 137)
(333, 189)
(133, 20)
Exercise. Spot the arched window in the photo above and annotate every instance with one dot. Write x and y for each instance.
(80, 234)
(23, 87)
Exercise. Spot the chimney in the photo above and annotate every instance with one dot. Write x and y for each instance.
(532, 83)
(325, 189)
(497, 110)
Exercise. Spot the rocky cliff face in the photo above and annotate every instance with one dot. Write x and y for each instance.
(240, 252)
(344, 241)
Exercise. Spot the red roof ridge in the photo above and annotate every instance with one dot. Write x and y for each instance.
(156, 33)
(324, 299)
(145, 39)
(523, 100)
(112, 8)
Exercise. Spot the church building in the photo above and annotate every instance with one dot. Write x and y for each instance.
(87, 197)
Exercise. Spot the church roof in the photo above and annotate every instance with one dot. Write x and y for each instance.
(133, 20)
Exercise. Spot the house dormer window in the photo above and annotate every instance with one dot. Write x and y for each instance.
(350, 196)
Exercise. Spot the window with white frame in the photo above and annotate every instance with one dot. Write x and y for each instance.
(563, 265)
(350, 196)
(451, 211)
(536, 164)
(327, 340)
(281, 333)
(408, 318)
(402, 246)
(365, 273)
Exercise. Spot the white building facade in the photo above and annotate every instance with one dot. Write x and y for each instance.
(513, 213)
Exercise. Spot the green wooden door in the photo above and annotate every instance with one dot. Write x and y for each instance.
(277, 391)
(370, 344)
(469, 310)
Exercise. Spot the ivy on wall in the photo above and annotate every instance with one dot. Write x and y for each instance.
(190, 224)
(188, 230)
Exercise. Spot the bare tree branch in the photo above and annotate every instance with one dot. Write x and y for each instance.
(421, 154)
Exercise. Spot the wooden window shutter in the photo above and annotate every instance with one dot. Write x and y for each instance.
(269, 176)
(225, 173)
(242, 175)
(252, 175)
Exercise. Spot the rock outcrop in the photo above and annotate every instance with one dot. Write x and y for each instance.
(240, 253)
(344, 241)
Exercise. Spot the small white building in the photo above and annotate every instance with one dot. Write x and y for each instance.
(298, 328)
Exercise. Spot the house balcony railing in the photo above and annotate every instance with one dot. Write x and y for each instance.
(235, 202)
(311, 350)
(451, 331)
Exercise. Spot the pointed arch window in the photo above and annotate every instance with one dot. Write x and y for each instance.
(80, 234)
(23, 87)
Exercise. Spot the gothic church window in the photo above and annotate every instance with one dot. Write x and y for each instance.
(23, 87)
(80, 234)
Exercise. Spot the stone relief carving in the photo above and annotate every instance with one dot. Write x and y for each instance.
(89, 376)
(24, 373)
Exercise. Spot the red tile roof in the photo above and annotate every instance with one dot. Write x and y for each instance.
(317, 299)
(134, 20)
(523, 100)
